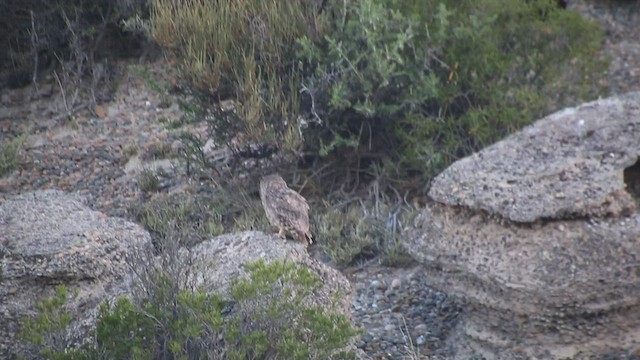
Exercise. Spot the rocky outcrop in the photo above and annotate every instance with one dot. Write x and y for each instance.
(49, 238)
(570, 164)
(540, 237)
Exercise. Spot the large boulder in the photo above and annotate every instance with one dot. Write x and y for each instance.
(219, 261)
(569, 164)
(50, 238)
(540, 237)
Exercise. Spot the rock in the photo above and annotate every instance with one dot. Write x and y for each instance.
(217, 262)
(50, 238)
(569, 164)
(543, 275)
(396, 283)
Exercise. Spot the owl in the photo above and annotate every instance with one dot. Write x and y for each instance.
(286, 210)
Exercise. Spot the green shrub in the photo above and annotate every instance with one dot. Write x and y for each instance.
(427, 82)
(184, 326)
(148, 181)
(277, 320)
(269, 317)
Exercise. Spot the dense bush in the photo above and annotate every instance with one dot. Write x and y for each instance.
(268, 317)
(409, 84)
(428, 82)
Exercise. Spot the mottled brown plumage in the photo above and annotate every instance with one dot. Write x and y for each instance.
(286, 210)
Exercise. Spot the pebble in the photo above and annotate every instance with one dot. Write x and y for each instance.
(415, 319)
(395, 284)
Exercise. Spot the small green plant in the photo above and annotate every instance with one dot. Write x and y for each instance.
(148, 181)
(131, 150)
(46, 330)
(9, 150)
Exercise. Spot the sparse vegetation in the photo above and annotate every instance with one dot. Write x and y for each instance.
(148, 181)
(241, 50)
(70, 40)
(347, 234)
(161, 89)
(9, 150)
(131, 150)
(158, 150)
(361, 231)
(268, 317)
(252, 216)
(46, 330)
(182, 219)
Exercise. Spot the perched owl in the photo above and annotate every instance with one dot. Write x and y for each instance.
(286, 210)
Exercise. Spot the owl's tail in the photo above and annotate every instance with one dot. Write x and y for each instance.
(308, 238)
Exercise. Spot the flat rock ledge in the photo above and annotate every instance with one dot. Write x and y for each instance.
(569, 164)
(539, 236)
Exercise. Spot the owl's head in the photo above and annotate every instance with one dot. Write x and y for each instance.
(273, 179)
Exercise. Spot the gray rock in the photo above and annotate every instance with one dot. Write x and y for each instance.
(569, 164)
(50, 238)
(552, 294)
(543, 276)
(217, 262)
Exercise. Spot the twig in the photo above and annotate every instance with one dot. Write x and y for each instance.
(305, 89)
(70, 112)
(414, 352)
(64, 95)
(34, 46)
